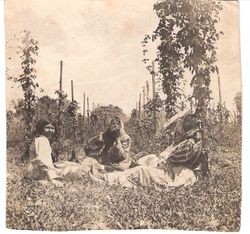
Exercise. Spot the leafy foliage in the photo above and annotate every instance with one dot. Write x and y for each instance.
(212, 205)
(224, 130)
(187, 41)
(70, 120)
(100, 117)
(72, 131)
(143, 127)
(237, 101)
(62, 103)
(27, 80)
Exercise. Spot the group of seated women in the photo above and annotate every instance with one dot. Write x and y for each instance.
(108, 158)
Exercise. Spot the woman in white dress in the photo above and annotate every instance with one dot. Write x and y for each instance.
(40, 165)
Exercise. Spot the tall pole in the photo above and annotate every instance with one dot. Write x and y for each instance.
(143, 95)
(72, 91)
(220, 105)
(219, 86)
(153, 79)
(140, 105)
(60, 88)
(60, 82)
(147, 90)
(153, 88)
(72, 99)
(83, 108)
(88, 112)
(60, 96)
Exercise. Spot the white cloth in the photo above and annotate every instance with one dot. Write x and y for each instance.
(166, 153)
(151, 172)
(150, 160)
(43, 151)
(41, 165)
(149, 176)
(70, 170)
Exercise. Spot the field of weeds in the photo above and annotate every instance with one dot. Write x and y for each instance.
(211, 204)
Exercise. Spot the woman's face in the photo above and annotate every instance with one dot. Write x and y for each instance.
(48, 130)
(115, 125)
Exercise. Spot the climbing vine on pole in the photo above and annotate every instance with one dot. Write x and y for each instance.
(186, 35)
(27, 80)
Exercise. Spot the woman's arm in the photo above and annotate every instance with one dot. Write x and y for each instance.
(43, 151)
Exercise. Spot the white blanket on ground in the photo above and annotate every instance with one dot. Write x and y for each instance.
(143, 175)
(151, 177)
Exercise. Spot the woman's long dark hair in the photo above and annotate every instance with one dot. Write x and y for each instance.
(40, 126)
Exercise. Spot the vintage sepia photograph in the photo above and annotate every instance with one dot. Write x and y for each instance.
(123, 115)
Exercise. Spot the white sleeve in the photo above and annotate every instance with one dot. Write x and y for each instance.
(43, 151)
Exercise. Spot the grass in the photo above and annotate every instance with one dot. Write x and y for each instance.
(211, 204)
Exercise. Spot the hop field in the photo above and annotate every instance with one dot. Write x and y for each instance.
(211, 204)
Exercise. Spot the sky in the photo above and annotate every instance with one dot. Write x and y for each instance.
(99, 42)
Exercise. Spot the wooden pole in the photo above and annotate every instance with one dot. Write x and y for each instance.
(219, 86)
(60, 129)
(88, 112)
(153, 89)
(147, 90)
(60, 86)
(143, 95)
(220, 104)
(72, 91)
(60, 82)
(139, 104)
(153, 79)
(72, 99)
(83, 108)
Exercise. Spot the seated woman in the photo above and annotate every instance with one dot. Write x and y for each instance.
(188, 152)
(41, 166)
(111, 148)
